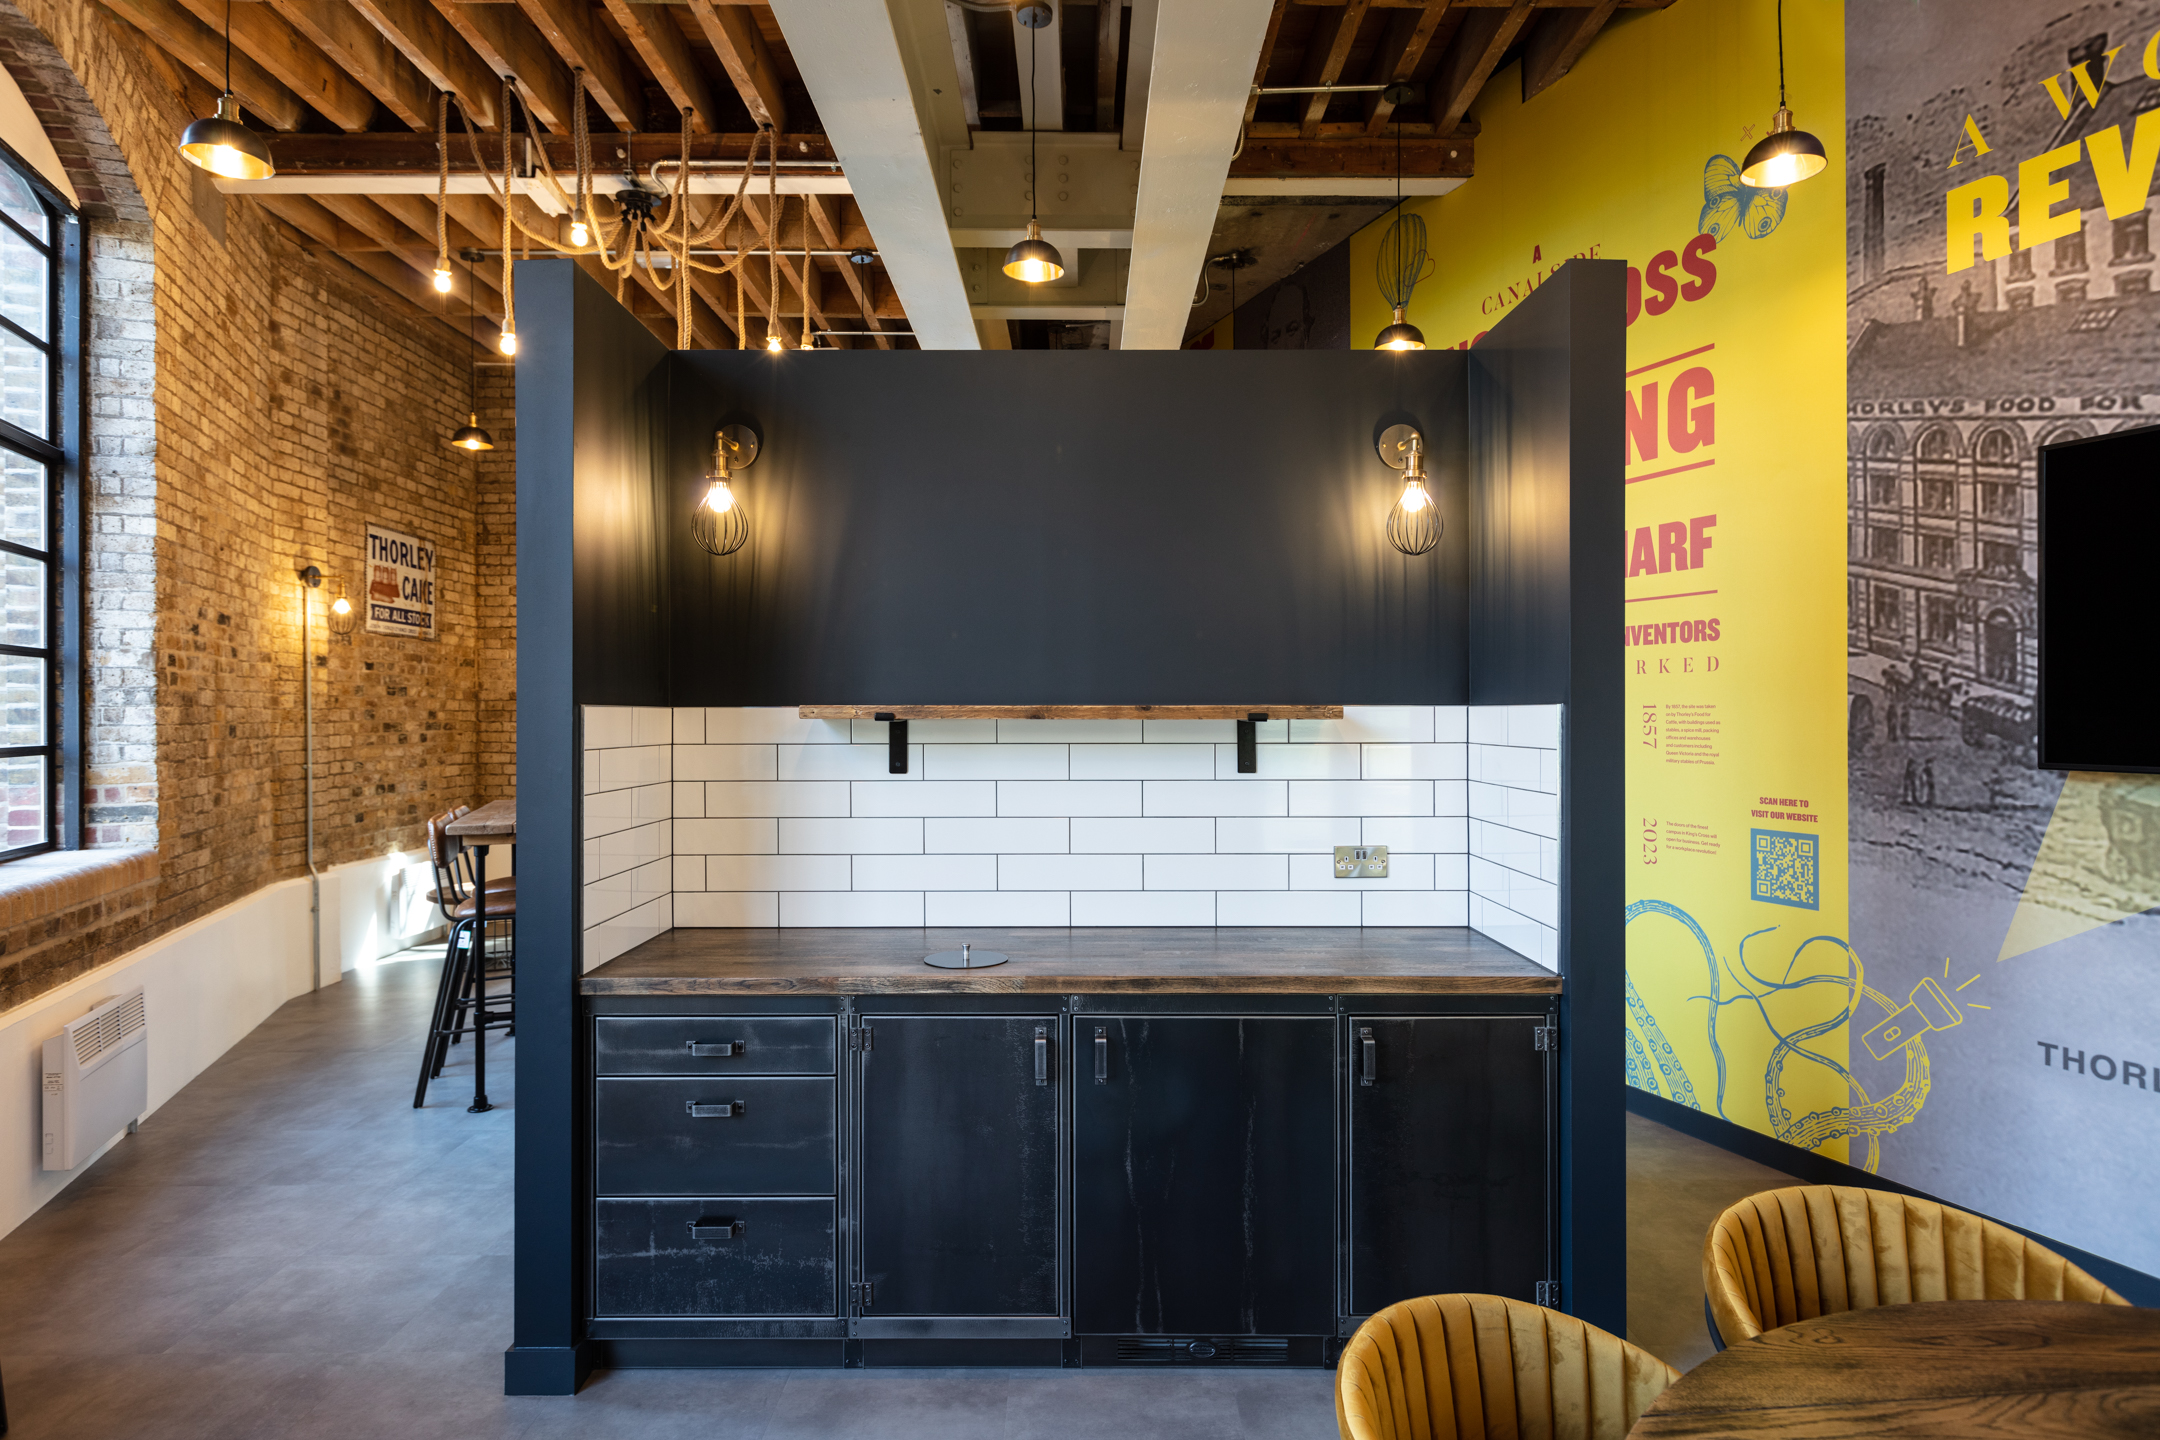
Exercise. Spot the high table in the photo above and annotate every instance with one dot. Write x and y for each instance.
(492, 824)
(1956, 1368)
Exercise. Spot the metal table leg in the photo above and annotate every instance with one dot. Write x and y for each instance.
(479, 953)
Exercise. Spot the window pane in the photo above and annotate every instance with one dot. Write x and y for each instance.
(21, 204)
(24, 779)
(23, 388)
(23, 295)
(24, 598)
(22, 700)
(22, 500)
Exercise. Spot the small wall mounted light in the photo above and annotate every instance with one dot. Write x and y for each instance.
(1414, 526)
(342, 616)
(221, 144)
(719, 524)
(1785, 156)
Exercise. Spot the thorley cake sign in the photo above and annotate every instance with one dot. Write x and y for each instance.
(400, 584)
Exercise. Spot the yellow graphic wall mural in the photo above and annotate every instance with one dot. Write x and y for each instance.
(1741, 984)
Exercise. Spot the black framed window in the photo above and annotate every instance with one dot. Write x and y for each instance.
(41, 299)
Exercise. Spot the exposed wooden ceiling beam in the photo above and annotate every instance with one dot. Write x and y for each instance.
(270, 40)
(1267, 56)
(568, 26)
(1485, 4)
(511, 45)
(1409, 33)
(396, 153)
(411, 248)
(956, 29)
(824, 212)
(1558, 42)
(659, 42)
(1455, 156)
(417, 213)
(202, 50)
(1324, 59)
(318, 224)
(748, 60)
(437, 51)
(1484, 37)
(1109, 36)
(347, 37)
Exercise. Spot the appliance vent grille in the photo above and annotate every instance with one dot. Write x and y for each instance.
(1240, 1350)
(102, 1031)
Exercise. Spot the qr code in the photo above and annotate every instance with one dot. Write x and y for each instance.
(1785, 870)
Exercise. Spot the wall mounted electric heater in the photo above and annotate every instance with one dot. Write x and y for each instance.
(97, 1079)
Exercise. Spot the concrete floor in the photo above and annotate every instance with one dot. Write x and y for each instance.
(288, 1250)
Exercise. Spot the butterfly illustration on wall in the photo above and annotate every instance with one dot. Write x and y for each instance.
(1729, 205)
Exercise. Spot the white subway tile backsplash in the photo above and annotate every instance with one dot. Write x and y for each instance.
(609, 727)
(851, 837)
(689, 873)
(1537, 726)
(1143, 907)
(778, 872)
(1504, 765)
(995, 762)
(687, 797)
(1450, 872)
(810, 909)
(1069, 732)
(926, 872)
(592, 771)
(1291, 762)
(1425, 834)
(929, 732)
(779, 798)
(1285, 907)
(770, 725)
(1451, 797)
(1405, 872)
(1416, 762)
(652, 725)
(1143, 762)
(1067, 797)
(612, 810)
(1451, 724)
(1243, 834)
(622, 892)
(1518, 850)
(844, 762)
(728, 762)
(1488, 724)
(689, 725)
(1046, 836)
(727, 837)
(997, 907)
(1211, 732)
(728, 910)
(1363, 724)
(606, 939)
(620, 850)
(1217, 797)
(640, 765)
(925, 797)
(1068, 872)
(1195, 835)
(1217, 872)
(1416, 907)
(1361, 797)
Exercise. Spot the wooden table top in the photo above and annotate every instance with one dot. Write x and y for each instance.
(1962, 1368)
(494, 821)
(1091, 961)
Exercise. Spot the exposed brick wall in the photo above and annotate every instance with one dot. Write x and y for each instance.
(253, 408)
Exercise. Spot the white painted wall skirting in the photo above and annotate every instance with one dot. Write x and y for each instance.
(206, 986)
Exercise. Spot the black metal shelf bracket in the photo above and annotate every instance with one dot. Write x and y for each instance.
(1248, 743)
(896, 760)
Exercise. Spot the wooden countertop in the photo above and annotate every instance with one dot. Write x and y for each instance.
(1438, 961)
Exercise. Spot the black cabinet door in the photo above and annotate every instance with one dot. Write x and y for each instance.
(1448, 1158)
(1203, 1175)
(959, 1173)
(698, 1257)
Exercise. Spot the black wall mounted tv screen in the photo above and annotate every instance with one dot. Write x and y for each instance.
(2099, 596)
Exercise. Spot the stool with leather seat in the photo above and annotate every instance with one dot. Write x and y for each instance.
(466, 960)
(1809, 1250)
(1483, 1367)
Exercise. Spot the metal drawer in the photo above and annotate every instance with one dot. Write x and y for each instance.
(702, 1257)
(717, 1135)
(715, 1045)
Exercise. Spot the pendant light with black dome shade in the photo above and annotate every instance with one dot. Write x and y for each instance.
(1034, 261)
(1785, 156)
(1400, 264)
(470, 436)
(222, 144)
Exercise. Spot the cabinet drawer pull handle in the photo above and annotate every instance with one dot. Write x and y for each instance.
(705, 1048)
(1102, 1055)
(715, 1229)
(1370, 1055)
(713, 1109)
(1042, 1054)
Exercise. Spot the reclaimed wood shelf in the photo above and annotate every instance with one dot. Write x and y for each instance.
(1069, 712)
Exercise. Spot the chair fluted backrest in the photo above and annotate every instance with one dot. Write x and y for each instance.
(1483, 1367)
(1809, 1250)
(443, 854)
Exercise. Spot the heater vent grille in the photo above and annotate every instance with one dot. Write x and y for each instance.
(105, 1029)
(1243, 1350)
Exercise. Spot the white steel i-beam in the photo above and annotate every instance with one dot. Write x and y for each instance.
(1200, 76)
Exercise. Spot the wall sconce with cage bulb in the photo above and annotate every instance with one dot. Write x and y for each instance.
(1414, 526)
(340, 613)
(719, 524)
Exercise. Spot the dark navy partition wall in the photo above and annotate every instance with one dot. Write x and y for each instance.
(591, 630)
(1545, 628)
(1037, 527)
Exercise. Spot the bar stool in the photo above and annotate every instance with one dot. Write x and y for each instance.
(465, 957)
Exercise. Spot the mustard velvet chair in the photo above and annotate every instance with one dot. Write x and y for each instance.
(1808, 1250)
(1481, 1367)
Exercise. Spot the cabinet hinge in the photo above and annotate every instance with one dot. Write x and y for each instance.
(1545, 1037)
(860, 1294)
(861, 1038)
(1548, 1294)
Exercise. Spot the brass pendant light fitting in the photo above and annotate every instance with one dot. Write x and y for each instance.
(1785, 156)
(222, 144)
(1034, 260)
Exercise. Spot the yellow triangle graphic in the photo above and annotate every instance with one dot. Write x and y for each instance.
(2098, 863)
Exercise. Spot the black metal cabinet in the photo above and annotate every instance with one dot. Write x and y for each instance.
(1204, 1175)
(722, 1135)
(959, 1177)
(1449, 1166)
(714, 1257)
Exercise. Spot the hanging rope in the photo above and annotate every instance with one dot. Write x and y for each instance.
(772, 242)
(509, 297)
(442, 182)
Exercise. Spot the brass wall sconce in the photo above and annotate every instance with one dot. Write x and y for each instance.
(1414, 526)
(719, 524)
